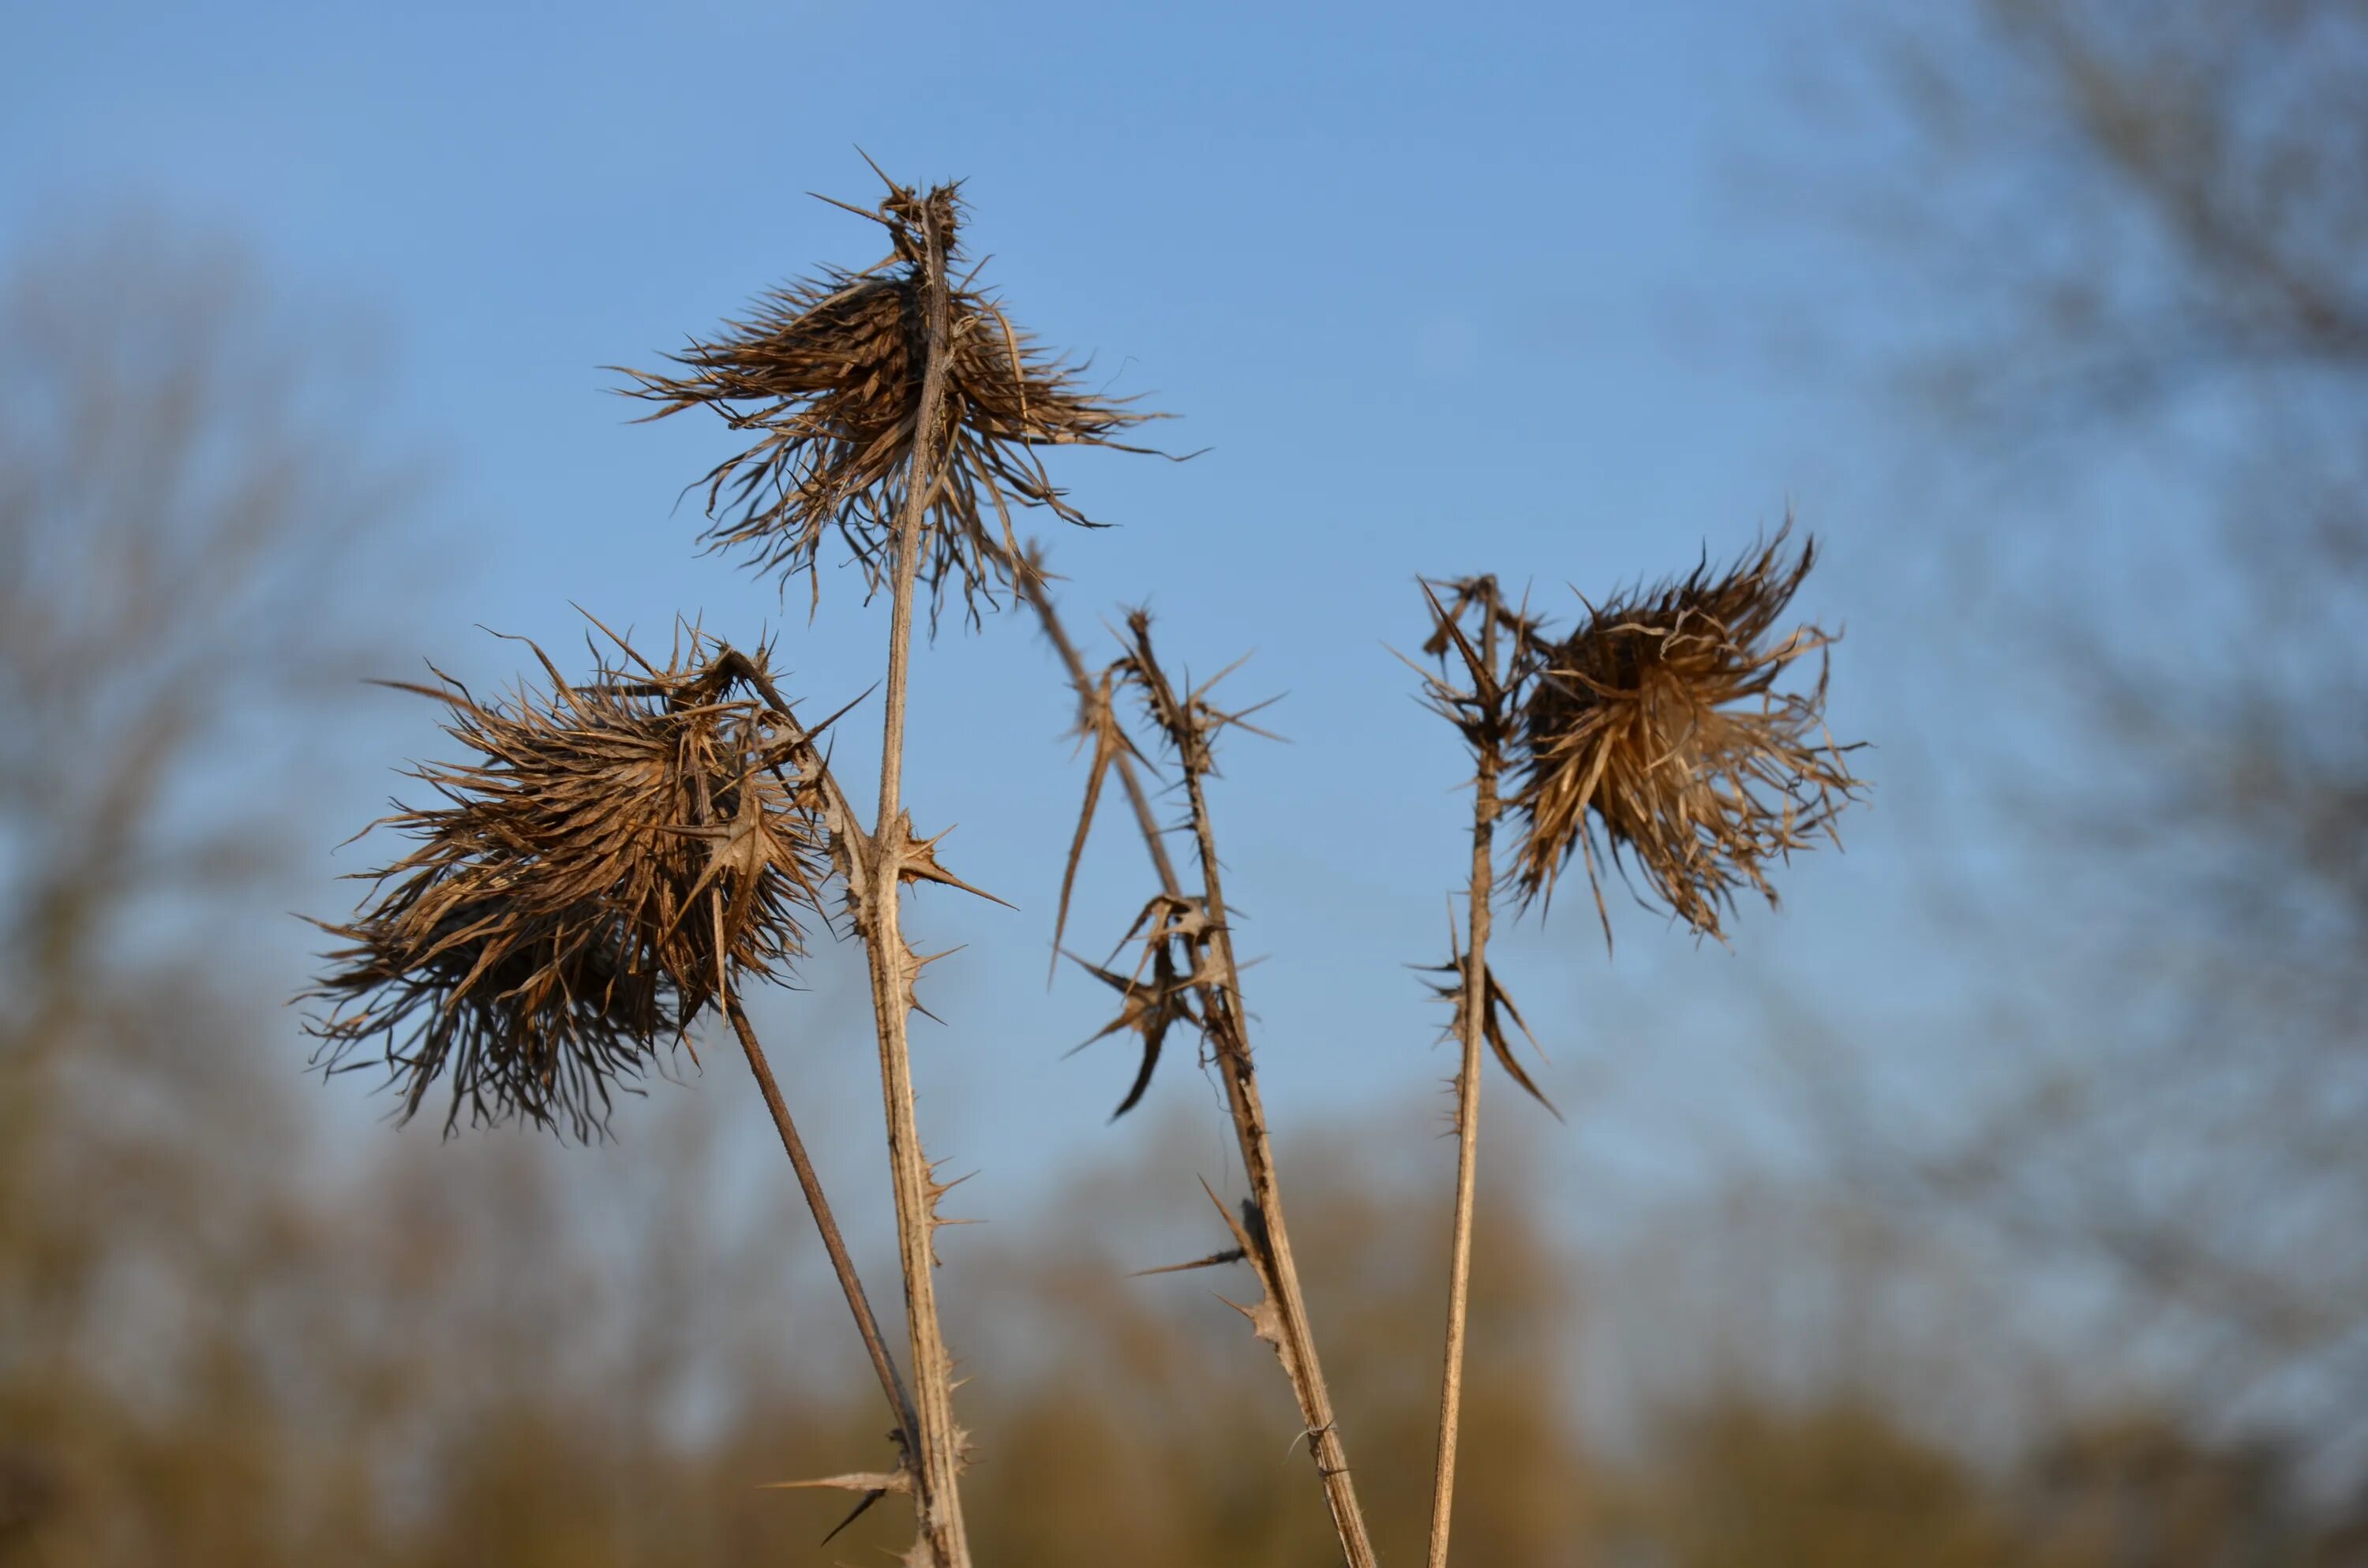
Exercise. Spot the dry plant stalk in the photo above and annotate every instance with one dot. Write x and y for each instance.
(894, 966)
(1483, 707)
(614, 858)
(1188, 975)
(890, 404)
(1657, 724)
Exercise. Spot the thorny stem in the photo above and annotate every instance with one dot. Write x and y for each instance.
(1220, 1006)
(841, 820)
(938, 1462)
(1258, 1164)
(1471, 1019)
(892, 1383)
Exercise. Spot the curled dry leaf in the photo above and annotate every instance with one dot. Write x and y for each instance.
(612, 854)
(1149, 1006)
(1498, 1008)
(1179, 958)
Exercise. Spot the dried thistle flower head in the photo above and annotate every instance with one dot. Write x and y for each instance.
(829, 372)
(1657, 726)
(609, 859)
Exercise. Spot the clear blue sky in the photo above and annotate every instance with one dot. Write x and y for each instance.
(1442, 288)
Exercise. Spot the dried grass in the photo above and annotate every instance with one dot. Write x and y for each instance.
(1654, 738)
(829, 370)
(610, 857)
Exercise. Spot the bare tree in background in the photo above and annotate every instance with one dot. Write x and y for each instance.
(183, 478)
(2142, 229)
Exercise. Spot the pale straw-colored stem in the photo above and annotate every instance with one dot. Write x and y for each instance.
(1473, 1003)
(1266, 1188)
(938, 1464)
(1472, 1016)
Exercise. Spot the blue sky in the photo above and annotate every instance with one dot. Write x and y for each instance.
(1439, 289)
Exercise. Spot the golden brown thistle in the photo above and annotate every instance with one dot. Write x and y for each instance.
(1657, 726)
(610, 854)
(828, 371)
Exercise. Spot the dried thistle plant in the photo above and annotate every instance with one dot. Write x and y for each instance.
(1188, 975)
(619, 857)
(609, 856)
(1481, 670)
(1656, 724)
(897, 407)
(832, 374)
(1654, 737)
(615, 858)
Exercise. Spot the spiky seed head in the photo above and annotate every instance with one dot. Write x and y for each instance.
(827, 372)
(611, 856)
(1654, 736)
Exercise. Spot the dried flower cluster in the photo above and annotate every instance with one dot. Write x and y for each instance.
(830, 371)
(1657, 724)
(610, 857)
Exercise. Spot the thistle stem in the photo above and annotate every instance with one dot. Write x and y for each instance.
(1472, 1018)
(1220, 1007)
(1223, 1004)
(1471, 1027)
(938, 1463)
(890, 1382)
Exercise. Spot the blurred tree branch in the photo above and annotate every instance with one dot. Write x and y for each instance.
(2143, 231)
(187, 486)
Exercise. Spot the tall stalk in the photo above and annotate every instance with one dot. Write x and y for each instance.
(732, 665)
(938, 1464)
(903, 416)
(1282, 1319)
(1471, 1019)
(1298, 1340)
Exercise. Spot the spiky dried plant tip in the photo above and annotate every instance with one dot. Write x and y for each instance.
(1654, 737)
(612, 855)
(828, 372)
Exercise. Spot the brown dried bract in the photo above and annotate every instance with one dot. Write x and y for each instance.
(611, 857)
(830, 371)
(1657, 724)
